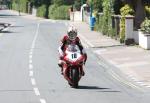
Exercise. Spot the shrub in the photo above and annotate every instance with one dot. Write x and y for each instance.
(14, 6)
(77, 5)
(60, 12)
(106, 22)
(125, 10)
(52, 10)
(41, 11)
(58, 2)
(20, 5)
(147, 9)
(145, 26)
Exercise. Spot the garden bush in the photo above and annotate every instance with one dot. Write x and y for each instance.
(41, 11)
(145, 26)
(14, 6)
(20, 5)
(77, 5)
(106, 22)
(59, 12)
(147, 9)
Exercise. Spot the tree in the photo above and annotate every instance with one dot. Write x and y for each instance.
(58, 2)
(97, 4)
(38, 3)
(117, 6)
(69, 2)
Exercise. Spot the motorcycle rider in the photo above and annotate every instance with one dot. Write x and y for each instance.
(71, 37)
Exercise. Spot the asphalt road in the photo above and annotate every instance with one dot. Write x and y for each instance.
(29, 71)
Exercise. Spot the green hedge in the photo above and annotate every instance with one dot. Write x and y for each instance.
(52, 9)
(106, 18)
(41, 11)
(20, 5)
(60, 12)
(14, 6)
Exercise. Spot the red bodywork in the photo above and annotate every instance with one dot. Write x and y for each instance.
(68, 65)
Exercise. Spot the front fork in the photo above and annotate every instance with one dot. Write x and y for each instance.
(66, 72)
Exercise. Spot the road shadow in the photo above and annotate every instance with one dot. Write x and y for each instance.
(91, 87)
(16, 26)
(7, 32)
(4, 15)
(98, 89)
(110, 46)
(109, 91)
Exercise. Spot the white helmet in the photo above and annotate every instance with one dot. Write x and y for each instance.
(72, 33)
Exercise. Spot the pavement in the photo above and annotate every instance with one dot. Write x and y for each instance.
(133, 61)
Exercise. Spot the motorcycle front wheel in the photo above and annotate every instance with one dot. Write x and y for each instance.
(75, 77)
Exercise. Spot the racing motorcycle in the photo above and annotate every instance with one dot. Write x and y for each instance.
(73, 65)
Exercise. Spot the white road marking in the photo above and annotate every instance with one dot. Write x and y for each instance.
(42, 101)
(30, 61)
(33, 81)
(33, 45)
(33, 42)
(30, 56)
(122, 59)
(148, 86)
(36, 91)
(30, 66)
(31, 73)
(132, 64)
(143, 84)
(139, 82)
(99, 51)
(31, 52)
(115, 76)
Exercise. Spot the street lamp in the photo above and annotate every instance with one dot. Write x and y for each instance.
(82, 9)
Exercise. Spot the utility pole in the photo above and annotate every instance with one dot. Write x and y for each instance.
(19, 7)
(91, 8)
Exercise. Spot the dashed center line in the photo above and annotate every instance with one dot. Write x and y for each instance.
(31, 73)
(32, 79)
(31, 52)
(42, 101)
(30, 61)
(36, 90)
(30, 66)
(30, 56)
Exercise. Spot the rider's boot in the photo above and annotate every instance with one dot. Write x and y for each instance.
(82, 71)
(61, 66)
